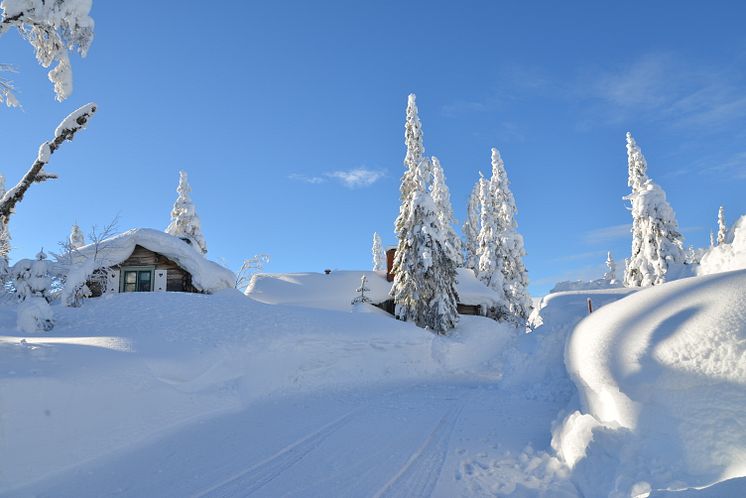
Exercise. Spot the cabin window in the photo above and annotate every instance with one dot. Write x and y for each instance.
(137, 280)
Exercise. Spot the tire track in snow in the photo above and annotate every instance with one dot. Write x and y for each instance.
(421, 472)
(259, 475)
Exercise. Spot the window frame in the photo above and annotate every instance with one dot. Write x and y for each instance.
(137, 270)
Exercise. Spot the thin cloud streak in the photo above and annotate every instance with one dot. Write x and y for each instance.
(607, 234)
(352, 178)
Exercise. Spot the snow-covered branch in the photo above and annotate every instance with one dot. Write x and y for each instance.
(52, 28)
(65, 131)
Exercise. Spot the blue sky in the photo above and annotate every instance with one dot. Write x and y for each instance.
(275, 108)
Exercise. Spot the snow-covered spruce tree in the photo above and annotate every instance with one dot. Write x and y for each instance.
(610, 275)
(501, 246)
(76, 239)
(656, 241)
(712, 239)
(514, 271)
(379, 256)
(52, 28)
(442, 199)
(184, 219)
(722, 228)
(4, 235)
(33, 280)
(361, 298)
(424, 289)
(471, 230)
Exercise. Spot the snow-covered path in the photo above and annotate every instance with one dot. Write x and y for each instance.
(401, 440)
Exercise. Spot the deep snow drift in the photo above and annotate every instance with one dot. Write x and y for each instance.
(662, 383)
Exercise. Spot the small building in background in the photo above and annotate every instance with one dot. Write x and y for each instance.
(146, 260)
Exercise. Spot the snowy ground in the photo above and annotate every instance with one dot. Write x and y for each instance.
(169, 394)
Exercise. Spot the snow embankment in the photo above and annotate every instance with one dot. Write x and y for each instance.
(728, 256)
(662, 383)
(125, 368)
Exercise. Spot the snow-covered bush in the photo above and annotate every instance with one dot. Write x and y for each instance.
(361, 298)
(33, 280)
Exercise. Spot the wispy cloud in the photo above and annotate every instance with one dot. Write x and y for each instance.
(313, 180)
(662, 87)
(357, 177)
(607, 234)
(351, 178)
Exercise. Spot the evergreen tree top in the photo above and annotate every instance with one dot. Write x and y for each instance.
(637, 165)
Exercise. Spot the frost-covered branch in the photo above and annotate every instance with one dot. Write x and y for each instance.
(52, 28)
(65, 131)
(7, 87)
(249, 268)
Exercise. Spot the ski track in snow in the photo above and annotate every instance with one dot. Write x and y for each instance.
(420, 474)
(257, 476)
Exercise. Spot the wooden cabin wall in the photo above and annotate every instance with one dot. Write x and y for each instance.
(177, 279)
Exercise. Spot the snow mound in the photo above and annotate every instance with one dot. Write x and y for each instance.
(728, 256)
(336, 290)
(127, 368)
(661, 376)
(207, 276)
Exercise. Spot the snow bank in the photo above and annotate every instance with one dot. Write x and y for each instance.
(583, 285)
(728, 256)
(336, 290)
(126, 368)
(207, 276)
(662, 383)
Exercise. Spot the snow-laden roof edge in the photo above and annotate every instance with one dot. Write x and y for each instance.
(207, 276)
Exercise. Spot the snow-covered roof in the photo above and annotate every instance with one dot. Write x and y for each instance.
(207, 276)
(336, 290)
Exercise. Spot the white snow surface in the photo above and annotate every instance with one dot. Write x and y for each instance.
(728, 256)
(176, 394)
(662, 383)
(207, 276)
(336, 290)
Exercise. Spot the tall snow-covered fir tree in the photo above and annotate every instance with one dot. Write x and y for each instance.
(424, 289)
(442, 199)
(610, 275)
(76, 239)
(722, 227)
(4, 232)
(712, 239)
(515, 277)
(471, 230)
(184, 219)
(657, 243)
(379, 256)
(490, 262)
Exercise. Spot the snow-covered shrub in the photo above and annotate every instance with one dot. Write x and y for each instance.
(33, 279)
(361, 298)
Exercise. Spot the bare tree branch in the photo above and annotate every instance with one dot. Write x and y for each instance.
(65, 131)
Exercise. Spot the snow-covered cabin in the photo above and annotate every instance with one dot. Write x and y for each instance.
(146, 260)
(335, 290)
